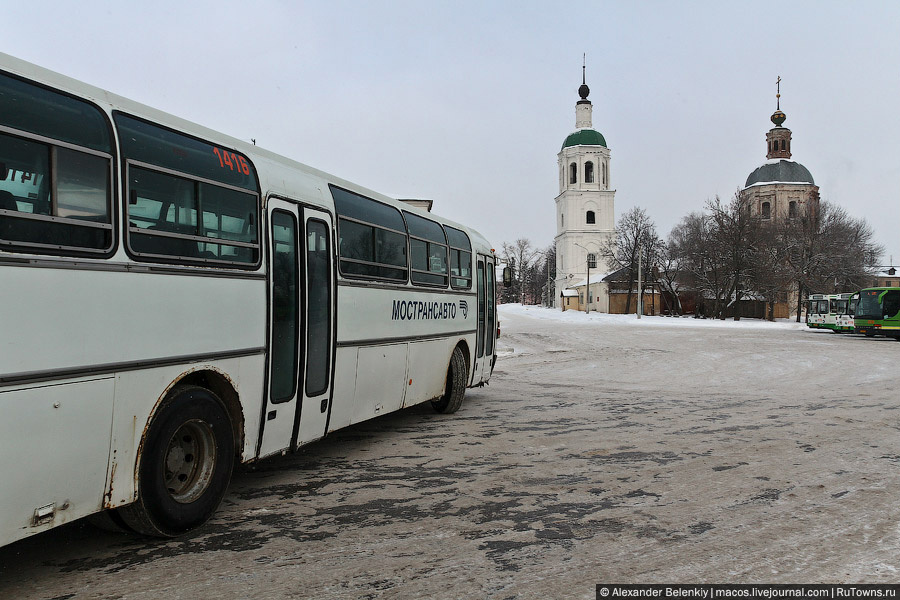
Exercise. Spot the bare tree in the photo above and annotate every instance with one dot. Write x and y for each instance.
(545, 275)
(635, 234)
(736, 234)
(693, 243)
(831, 252)
(770, 269)
(723, 254)
(519, 255)
(670, 274)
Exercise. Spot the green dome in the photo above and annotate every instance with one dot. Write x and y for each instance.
(585, 137)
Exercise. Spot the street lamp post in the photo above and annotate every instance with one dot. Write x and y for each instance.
(587, 294)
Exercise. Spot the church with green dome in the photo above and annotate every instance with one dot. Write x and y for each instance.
(585, 211)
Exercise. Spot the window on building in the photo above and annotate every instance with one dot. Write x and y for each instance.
(783, 144)
(589, 172)
(766, 210)
(792, 209)
(592, 261)
(590, 217)
(605, 168)
(573, 173)
(562, 221)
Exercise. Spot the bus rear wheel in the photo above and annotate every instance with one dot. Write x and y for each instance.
(455, 388)
(185, 466)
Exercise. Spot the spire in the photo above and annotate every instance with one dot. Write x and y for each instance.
(778, 140)
(583, 107)
(584, 90)
(778, 117)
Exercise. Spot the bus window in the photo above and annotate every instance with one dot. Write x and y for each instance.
(285, 300)
(890, 304)
(371, 237)
(173, 178)
(838, 307)
(427, 251)
(491, 328)
(869, 306)
(460, 259)
(479, 337)
(318, 325)
(54, 198)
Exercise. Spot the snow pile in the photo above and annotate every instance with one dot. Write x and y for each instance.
(595, 318)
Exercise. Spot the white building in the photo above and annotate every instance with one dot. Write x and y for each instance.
(585, 217)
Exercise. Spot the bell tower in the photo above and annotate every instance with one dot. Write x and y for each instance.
(585, 216)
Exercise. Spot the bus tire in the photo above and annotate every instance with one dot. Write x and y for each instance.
(185, 466)
(109, 520)
(455, 388)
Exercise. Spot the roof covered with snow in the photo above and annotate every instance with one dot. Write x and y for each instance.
(595, 279)
(780, 171)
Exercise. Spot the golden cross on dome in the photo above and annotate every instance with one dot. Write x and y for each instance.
(778, 94)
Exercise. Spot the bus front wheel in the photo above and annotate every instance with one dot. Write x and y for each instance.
(185, 466)
(455, 387)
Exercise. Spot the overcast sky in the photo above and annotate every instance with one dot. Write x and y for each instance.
(468, 102)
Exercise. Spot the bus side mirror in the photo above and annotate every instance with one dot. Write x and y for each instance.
(507, 277)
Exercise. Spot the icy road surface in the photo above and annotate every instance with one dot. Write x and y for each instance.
(606, 449)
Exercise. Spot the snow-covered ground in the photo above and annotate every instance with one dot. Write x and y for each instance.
(605, 449)
(595, 318)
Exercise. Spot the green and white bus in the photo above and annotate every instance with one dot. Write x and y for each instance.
(844, 320)
(878, 312)
(830, 311)
(816, 309)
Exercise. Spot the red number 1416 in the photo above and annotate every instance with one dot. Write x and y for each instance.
(232, 161)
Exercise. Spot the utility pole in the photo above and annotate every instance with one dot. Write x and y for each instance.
(640, 298)
(549, 291)
(587, 295)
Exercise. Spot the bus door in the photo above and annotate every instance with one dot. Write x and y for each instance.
(318, 342)
(300, 326)
(486, 319)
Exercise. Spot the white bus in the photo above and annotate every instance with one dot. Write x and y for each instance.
(173, 300)
(816, 310)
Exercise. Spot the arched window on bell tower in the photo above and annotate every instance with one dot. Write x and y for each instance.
(590, 217)
(592, 261)
(573, 173)
(766, 210)
(589, 172)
